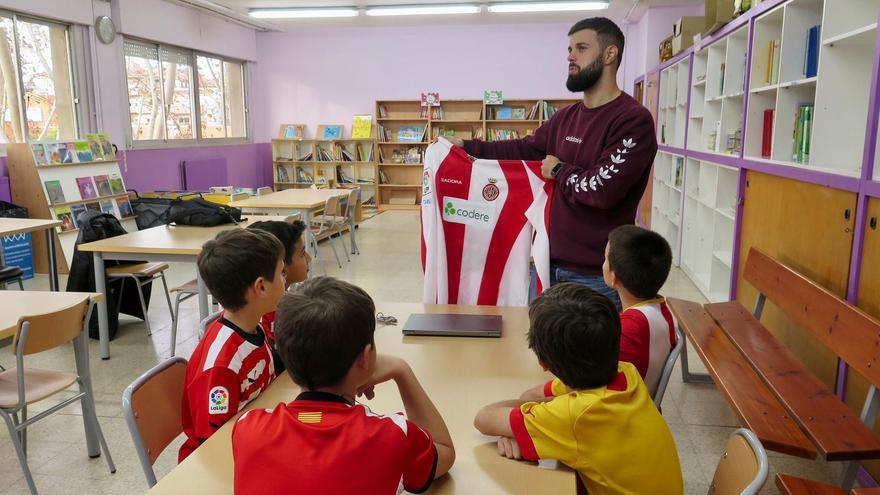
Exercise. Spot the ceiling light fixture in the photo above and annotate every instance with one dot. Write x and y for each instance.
(546, 6)
(308, 13)
(443, 9)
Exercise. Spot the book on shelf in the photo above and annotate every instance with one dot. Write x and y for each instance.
(281, 173)
(303, 177)
(676, 173)
(68, 153)
(116, 185)
(341, 154)
(66, 218)
(802, 133)
(305, 158)
(124, 207)
(434, 113)
(106, 146)
(771, 74)
(504, 134)
(54, 192)
(411, 133)
(102, 183)
(107, 207)
(767, 134)
(39, 151)
(94, 206)
(383, 179)
(383, 111)
(811, 51)
(86, 188)
(549, 110)
(332, 132)
(342, 177)
(53, 153)
(721, 79)
(361, 126)
(414, 154)
(363, 152)
(76, 211)
(533, 112)
(397, 155)
(95, 147)
(83, 151)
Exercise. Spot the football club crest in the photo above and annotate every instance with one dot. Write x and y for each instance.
(491, 191)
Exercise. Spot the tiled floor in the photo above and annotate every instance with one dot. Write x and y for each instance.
(389, 269)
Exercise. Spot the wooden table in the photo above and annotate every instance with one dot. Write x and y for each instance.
(460, 374)
(163, 243)
(15, 304)
(11, 226)
(288, 201)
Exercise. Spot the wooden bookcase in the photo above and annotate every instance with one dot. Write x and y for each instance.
(466, 119)
(301, 163)
(28, 180)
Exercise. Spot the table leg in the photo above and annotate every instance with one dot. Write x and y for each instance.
(103, 323)
(203, 297)
(53, 263)
(81, 354)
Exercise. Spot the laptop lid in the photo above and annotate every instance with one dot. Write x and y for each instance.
(453, 325)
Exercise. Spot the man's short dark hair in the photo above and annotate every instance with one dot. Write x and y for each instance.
(234, 260)
(575, 332)
(607, 32)
(286, 232)
(640, 259)
(321, 328)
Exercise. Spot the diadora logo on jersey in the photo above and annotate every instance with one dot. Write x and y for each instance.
(467, 212)
(218, 400)
(491, 191)
(426, 183)
(573, 139)
(450, 181)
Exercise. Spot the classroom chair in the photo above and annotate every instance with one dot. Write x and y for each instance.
(142, 274)
(239, 196)
(205, 323)
(667, 368)
(263, 190)
(349, 213)
(20, 386)
(182, 293)
(152, 409)
(743, 467)
(9, 274)
(328, 222)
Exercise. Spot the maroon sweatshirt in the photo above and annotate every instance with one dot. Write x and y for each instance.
(606, 155)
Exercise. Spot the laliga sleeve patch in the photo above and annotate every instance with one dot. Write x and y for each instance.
(218, 400)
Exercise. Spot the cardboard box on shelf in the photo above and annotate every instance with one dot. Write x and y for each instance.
(666, 49)
(718, 13)
(682, 42)
(689, 24)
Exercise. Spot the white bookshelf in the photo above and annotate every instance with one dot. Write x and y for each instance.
(708, 226)
(673, 104)
(666, 199)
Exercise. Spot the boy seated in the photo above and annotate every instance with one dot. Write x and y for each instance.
(296, 264)
(232, 363)
(601, 422)
(325, 337)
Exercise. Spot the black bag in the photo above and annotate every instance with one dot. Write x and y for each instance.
(9, 210)
(151, 211)
(200, 213)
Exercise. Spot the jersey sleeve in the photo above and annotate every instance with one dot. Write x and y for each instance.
(635, 340)
(555, 388)
(421, 459)
(627, 154)
(543, 430)
(213, 399)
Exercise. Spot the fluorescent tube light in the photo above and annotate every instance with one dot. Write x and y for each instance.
(307, 13)
(423, 9)
(547, 6)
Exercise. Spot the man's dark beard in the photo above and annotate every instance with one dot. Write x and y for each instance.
(585, 78)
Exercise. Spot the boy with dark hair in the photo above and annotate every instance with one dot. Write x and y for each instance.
(600, 420)
(233, 362)
(325, 337)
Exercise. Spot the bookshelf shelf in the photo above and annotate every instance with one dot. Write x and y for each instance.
(859, 36)
(762, 89)
(701, 82)
(77, 164)
(90, 200)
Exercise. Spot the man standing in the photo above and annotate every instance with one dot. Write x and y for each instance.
(599, 153)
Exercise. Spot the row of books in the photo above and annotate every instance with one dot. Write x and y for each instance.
(473, 133)
(505, 112)
(505, 134)
(96, 147)
(69, 215)
(435, 113)
(410, 155)
(102, 185)
(803, 127)
(404, 134)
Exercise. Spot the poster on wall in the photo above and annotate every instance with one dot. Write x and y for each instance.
(17, 252)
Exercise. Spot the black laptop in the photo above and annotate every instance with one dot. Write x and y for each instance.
(453, 325)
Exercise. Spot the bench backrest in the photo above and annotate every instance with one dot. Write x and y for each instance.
(845, 329)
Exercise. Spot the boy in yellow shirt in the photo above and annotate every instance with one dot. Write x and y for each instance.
(600, 420)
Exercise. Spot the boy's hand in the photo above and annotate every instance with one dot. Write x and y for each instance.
(387, 368)
(509, 448)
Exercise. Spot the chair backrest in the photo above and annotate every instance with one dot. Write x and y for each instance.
(263, 190)
(38, 333)
(331, 207)
(204, 324)
(845, 329)
(743, 467)
(239, 196)
(350, 206)
(667, 367)
(152, 406)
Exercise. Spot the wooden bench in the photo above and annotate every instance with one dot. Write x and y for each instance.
(771, 392)
(791, 485)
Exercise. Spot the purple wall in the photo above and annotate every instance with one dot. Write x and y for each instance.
(248, 165)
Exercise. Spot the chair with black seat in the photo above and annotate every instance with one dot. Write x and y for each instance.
(10, 274)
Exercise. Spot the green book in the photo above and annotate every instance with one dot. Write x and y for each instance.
(808, 132)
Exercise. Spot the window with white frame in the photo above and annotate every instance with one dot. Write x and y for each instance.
(36, 85)
(176, 94)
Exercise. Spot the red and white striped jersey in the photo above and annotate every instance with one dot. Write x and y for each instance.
(647, 337)
(228, 369)
(481, 220)
(319, 443)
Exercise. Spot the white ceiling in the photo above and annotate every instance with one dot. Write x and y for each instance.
(617, 10)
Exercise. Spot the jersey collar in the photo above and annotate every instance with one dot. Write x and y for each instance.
(654, 300)
(317, 396)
